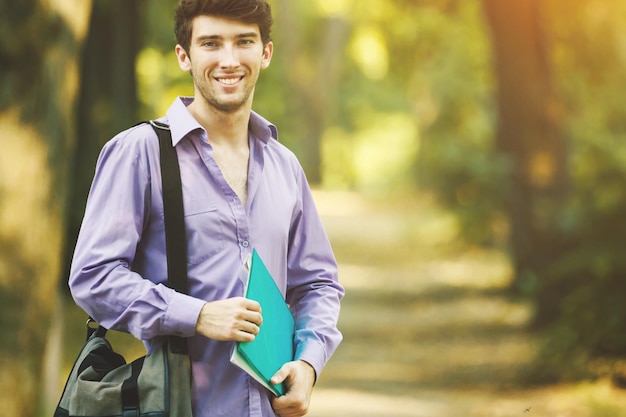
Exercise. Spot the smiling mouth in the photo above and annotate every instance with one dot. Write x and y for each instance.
(229, 81)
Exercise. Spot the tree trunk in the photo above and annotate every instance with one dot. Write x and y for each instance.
(107, 102)
(39, 49)
(313, 79)
(529, 132)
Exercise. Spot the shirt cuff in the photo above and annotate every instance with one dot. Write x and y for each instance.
(314, 354)
(182, 315)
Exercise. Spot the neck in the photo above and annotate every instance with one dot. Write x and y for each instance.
(223, 128)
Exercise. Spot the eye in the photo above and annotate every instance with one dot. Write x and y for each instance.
(209, 44)
(246, 42)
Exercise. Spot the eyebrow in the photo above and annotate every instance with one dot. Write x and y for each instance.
(239, 36)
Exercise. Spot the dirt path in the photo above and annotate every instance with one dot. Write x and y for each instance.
(427, 332)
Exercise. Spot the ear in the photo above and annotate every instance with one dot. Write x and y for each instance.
(268, 50)
(184, 62)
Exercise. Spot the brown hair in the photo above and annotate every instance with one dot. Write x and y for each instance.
(248, 11)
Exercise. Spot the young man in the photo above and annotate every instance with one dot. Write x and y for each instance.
(241, 190)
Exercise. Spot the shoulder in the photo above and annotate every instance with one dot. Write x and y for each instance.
(136, 146)
(284, 156)
(135, 141)
(280, 149)
(139, 136)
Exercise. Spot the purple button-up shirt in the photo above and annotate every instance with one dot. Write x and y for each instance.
(119, 264)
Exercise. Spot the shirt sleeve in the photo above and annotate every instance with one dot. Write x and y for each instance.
(101, 280)
(313, 289)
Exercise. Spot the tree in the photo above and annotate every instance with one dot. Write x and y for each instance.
(39, 46)
(579, 297)
(308, 60)
(529, 133)
(566, 202)
(107, 99)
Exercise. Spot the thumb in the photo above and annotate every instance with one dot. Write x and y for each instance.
(281, 375)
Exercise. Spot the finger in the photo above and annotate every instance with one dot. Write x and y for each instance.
(282, 374)
(252, 305)
(290, 413)
(241, 336)
(249, 327)
(247, 316)
(254, 317)
(289, 409)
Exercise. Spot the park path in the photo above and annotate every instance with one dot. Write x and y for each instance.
(427, 329)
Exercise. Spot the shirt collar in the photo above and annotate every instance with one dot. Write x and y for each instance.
(182, 123)
(261, 128)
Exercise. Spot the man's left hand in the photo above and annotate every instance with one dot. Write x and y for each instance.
(299, 378)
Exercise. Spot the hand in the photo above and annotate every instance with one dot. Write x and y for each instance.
(234, 319)
(299, 377)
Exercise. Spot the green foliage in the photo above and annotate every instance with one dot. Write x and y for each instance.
(444, 63)
(30, 28)
(411, 103)
(451, 88)
(579, 293)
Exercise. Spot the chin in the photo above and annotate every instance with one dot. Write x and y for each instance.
(228, 107)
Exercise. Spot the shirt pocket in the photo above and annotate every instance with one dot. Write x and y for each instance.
(205, 236)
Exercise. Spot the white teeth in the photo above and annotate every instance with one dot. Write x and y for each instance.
(228, 81)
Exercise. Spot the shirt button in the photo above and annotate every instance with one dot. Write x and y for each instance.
(245, 243)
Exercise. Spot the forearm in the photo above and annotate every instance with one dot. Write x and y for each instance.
(123, 300)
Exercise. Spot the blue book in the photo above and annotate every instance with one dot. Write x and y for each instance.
(273, 346)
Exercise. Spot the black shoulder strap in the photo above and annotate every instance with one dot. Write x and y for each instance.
(175, 239)
(173, 214)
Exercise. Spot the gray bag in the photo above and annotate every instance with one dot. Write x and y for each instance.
(101, 383)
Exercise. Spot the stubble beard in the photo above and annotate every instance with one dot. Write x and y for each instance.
(212, 100)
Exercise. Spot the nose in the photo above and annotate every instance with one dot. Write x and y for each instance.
(229, 57)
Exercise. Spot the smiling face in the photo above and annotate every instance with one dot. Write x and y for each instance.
(225, 58)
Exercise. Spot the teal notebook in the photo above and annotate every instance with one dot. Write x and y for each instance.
(273, 346)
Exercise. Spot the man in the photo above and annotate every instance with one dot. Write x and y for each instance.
(241, 190)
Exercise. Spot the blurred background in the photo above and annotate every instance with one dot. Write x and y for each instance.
(467, 158)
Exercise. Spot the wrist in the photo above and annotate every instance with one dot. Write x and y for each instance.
(310, 369)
